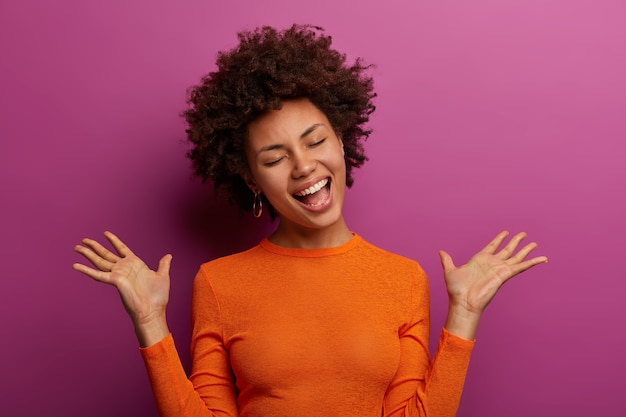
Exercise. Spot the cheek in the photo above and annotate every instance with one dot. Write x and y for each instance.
(272, 182)
(335, 157)
(339, 163)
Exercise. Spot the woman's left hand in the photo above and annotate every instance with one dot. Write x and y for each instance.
(472, 286)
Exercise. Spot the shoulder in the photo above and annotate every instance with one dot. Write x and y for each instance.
(229, 276)
(235, 263)
(389, 271)
(387, 264)
(376, 253)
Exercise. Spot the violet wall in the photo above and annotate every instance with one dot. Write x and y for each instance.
(491, 114)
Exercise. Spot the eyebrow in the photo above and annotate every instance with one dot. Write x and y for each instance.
(310, 130)
(304, 134)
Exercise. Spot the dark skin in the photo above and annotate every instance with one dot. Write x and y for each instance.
(145, 292)
(472, 286)
(300, 160)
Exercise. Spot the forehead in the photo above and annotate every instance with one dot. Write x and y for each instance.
(290, 122)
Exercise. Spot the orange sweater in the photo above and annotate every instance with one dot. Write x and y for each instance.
(310, 332)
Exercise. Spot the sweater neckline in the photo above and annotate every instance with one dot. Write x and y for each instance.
(311, 253)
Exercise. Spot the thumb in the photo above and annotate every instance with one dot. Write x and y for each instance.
(164, 265)
(446, 261)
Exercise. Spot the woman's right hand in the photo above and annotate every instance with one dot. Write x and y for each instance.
(144, 292)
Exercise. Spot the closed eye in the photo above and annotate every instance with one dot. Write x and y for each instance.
(272, 163)
(319, 142)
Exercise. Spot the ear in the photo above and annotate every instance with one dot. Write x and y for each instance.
(343, 151)
(247, 177)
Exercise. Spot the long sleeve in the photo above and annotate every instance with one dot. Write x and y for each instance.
(287, 332)
(209, 392)
(446, 375)
(423, 387)
(211, 371)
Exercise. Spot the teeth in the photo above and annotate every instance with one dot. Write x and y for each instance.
(314, 188)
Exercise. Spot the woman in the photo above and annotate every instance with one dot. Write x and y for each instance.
(313, 321)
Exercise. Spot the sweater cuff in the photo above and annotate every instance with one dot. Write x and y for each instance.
(455, 341)
(158, 349)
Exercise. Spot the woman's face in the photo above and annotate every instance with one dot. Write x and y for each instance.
(297, 161)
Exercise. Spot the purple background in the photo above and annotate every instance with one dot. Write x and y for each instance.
(491, 114)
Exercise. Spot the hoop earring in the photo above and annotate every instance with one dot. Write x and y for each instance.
(257, 205)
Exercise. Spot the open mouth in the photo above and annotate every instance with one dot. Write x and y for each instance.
(315, 195)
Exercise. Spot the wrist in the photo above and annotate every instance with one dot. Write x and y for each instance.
(151, 330)
(462, 322)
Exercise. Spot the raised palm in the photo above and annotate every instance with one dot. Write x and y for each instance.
(144, 292)
(473, 285)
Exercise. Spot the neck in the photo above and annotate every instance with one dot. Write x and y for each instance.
(311, 238)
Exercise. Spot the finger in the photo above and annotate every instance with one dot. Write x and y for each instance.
(446, 261)
(119, 246)
(92, 273)
(164, 265)
(97, 261)
(523, 266)
(510, 247)
(522, 253)
(100, 250)
(495, 243)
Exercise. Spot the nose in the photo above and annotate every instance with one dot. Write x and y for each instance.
(303, 165)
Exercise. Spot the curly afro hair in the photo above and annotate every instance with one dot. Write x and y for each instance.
(267, 67)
